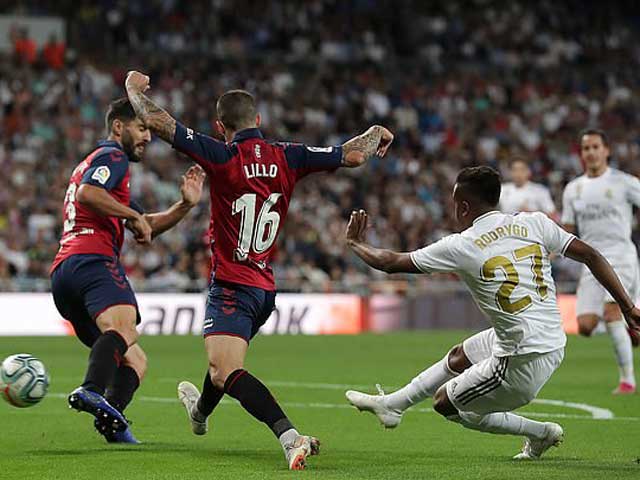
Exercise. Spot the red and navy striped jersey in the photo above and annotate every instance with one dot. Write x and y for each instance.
(251, 182)
(85, 231)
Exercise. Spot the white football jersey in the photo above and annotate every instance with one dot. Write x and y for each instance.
(601, 208)
(504, 261)
(531, 197)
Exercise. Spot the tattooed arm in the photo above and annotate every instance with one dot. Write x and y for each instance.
(154, 117)
(359, 149)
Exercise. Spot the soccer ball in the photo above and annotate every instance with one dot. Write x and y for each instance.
(23, 380)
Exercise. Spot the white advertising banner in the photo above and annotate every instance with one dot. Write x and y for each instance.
(182, 314)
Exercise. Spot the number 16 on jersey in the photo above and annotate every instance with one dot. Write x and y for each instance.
(252, 230)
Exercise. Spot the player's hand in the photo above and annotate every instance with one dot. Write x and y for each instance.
(141, 229)
(357, 226)
(191, 186)
(633, 319)
(136, 82)
(385, 142)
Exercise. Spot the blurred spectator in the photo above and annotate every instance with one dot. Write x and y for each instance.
(53, 53)
(24, 48)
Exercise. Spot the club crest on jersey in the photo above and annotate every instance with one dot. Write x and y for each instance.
(101, 175)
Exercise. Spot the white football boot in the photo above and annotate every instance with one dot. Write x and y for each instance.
(301, 448)
(389, 417)
(533, 449)
(189, 395)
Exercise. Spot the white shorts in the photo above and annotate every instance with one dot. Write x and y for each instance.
(499, 384)
(592, 296)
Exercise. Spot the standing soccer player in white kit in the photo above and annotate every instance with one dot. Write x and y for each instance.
(523, 195)
(599, 207)
(504, 260)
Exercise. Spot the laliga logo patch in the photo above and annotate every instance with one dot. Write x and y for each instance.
(101, 175)
(189, 134)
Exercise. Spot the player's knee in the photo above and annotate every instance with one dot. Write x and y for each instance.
(124, 325)
(457, 360)
(129, 333)
(137, 359)
(219, 374)
(441, 403)
(585, 330)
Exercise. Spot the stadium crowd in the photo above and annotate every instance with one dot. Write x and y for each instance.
(457, 85)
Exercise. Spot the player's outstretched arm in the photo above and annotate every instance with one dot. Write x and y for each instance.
(604, 273)
(359, 149)
(154, 117)
(191, 190)
(378, 258)
(101, 201)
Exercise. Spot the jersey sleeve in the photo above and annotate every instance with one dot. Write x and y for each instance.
(437, 257)
(568, 213)
(546, 202)
(303, 159)
(555, 238)
(136, 206)
(106, 170)
(633, 190)
(202, 149)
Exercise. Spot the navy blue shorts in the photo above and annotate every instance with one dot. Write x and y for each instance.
(237, 310)
(84, 286)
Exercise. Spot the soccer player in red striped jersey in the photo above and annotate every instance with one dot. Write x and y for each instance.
(88, 283)
(251, 183)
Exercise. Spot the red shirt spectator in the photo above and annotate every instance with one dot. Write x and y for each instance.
(53, 53)
(24, 47)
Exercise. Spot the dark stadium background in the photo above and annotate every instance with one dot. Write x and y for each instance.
(459, 83)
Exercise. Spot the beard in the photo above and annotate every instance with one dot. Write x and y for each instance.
(130, 148)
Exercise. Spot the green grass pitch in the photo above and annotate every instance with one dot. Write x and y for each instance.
(307, 375)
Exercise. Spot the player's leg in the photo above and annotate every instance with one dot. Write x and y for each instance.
(483, 396)
(587, 323)
(220, 317)
(120, 393)
(590, 297)
(617, 328)
(110, 301)
(127, 378)
(226, 360)
(118, 327)
(389, 408)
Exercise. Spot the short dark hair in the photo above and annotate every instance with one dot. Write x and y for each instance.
(481, 184)
(120, 109)
(236, 109)
(518, 158)
(594, 131)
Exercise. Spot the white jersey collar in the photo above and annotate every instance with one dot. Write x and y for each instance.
(485, 215)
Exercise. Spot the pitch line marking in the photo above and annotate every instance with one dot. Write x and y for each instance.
(596, 412)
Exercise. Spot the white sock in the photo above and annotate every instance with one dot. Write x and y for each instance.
(422, 386)
(622, 348)
(502, 423)
(288, 437)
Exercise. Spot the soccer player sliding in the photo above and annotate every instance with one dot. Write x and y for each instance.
(504, 261)
(251, 182)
